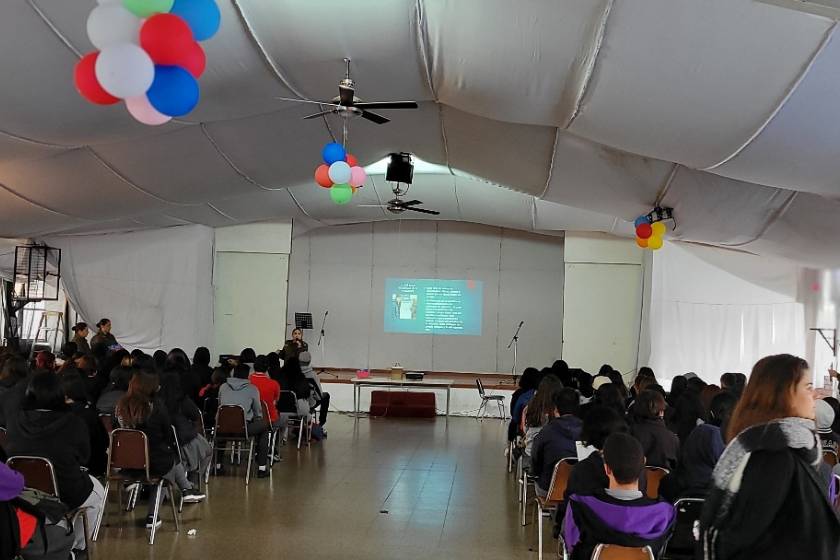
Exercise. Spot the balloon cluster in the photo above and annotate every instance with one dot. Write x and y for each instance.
(649, 235)
(340, 173)
(148, 55)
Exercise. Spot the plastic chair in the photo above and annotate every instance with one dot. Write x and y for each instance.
(830, 457)
(487, 399)
(232, 427)
(128, 462)
(615, 552)
(654, 477)
(555, 496)
(39, 473)
(680, 544)
(287, 404)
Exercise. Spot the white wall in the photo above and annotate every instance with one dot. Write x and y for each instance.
(250, 282)
(343, 269)
(603, 302)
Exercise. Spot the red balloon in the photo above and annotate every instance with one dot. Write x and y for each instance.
(84, 76)
(644, 231)
(322, 176)
(194, 60)
(167, 39)
(351, 160)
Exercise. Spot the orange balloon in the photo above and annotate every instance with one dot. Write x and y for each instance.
(643, 243)
(322, 176)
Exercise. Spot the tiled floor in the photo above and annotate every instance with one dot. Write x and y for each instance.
(376, 489)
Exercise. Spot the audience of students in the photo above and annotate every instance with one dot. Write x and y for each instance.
(661, 446)
(239, 391)
(557, 438)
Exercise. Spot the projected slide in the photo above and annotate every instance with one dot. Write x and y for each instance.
(429, 306)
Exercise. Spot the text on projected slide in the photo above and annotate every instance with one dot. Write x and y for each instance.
(430, 306)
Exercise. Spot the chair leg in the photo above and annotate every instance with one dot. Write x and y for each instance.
(524, 499)
(510, 457)
(300, 434)
(539, 521)
(501, 411)
(87, 535)
(102, 511)
(250, 456)
(156, 511)
(480, 408)
(176, 513)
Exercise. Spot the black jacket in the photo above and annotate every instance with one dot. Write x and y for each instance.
(780, 512)
(158, 429)
(59, 436)
(98, 459)
(554, 442)
(661, 446)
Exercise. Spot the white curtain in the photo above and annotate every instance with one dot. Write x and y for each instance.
(710, 321)
(155, 286)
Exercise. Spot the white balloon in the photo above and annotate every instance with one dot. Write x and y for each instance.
(125, 70)
(109, 24)
(142, 110)
(339, 172)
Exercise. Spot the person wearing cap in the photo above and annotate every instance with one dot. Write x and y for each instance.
(103, 335)
(317, 397)
(80, 333)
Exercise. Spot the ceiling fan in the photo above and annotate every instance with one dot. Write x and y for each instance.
(347, 105)
(398, 206)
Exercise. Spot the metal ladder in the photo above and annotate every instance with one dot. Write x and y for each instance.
(44, 327)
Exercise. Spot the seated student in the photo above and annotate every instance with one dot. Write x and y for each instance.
(660, 445)
(140, 410)
(208, 396)
(700, 453)
(120, 376)
(318, 397)
(539, 412)
(620, 514)
(528, 382)
(44, 426)
(269, 393)
(557, 439)
(239, 391)
(76, 399)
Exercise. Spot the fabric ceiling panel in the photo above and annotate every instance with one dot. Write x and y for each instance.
(517, 156)
(552, 216)
(118, 225)
(487, 204)
(200, 214)
(38, 99)
(261, 205)
(77, 184)
(12, 148)
(807, 232)
(690, 81)
(180, 166)
(800, 148)
(416, 131)
(317, 203)
(19, 218)
(532, 79)
(308, 41)
(436, 190)
(717, 210)
(276, 150)
(591, 176)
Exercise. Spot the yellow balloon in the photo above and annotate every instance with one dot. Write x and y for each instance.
(658, 229)
(655, 242)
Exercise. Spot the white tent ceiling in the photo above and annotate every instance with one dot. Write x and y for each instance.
(552, 115)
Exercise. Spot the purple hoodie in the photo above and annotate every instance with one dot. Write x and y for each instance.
(11, 483)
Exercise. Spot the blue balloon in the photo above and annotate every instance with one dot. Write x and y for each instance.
(333, 152)
(174, 91)
(641, 220)
(202, 16)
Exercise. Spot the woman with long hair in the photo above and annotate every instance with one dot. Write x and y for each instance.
(767, 500)
(540, 410)
(140, 410)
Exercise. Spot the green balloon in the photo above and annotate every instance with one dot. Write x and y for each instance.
(341, 193)
(146, 8)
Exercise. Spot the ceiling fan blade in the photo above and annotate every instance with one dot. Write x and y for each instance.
(378, 119)
(387, 105)
(345, 95)
(321, 114)
(421, 210)
(409, 203)
(307, 101)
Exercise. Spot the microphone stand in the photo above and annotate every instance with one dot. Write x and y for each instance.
(323, 338)
(515, 342)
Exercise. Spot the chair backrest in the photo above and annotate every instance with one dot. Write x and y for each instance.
(38, 473)
(129, 450)
(3, 438)
(287, 403)
(480, 386)
(615, 552)
(177, 444)
(654, 477)
(560, 479)
(266, 415)
(107, 422)
(830, 457)
(230, 421)
(681, 541)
